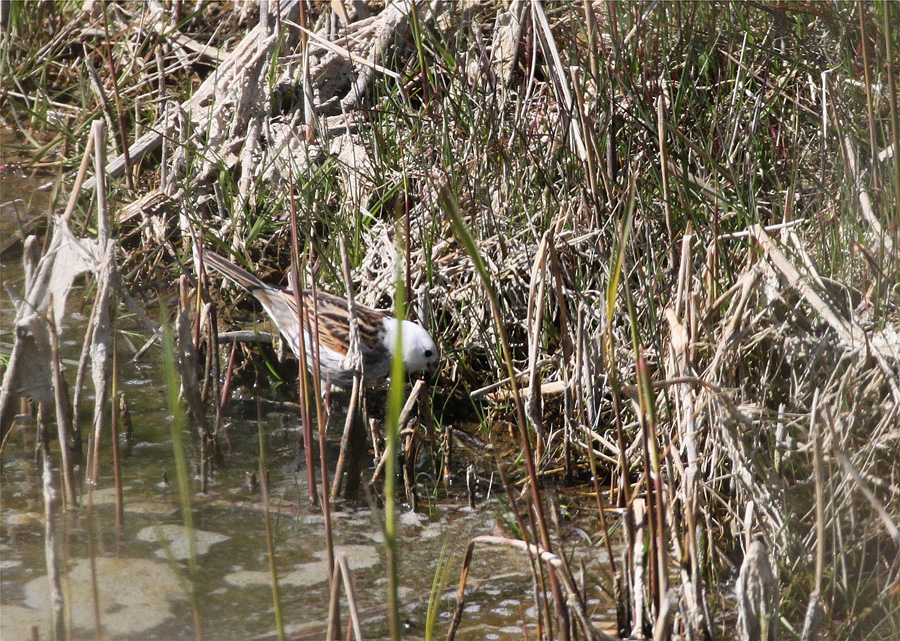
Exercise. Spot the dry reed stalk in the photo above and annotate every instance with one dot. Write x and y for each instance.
(558, 567)
(636, 569)
(447, 449)
(558, 79)
(326, 509)
(114, 431)
(190, 387)
(81, 372)
(664, 172)
(592, 151)
(106, 107)
(353, 439)
(120, 118)
(678, 365)
(888, 25)
(814, 611)
(63, 420)
(226, 384)
(304, 359)
(212, 374)
(534, 322)
(350, 592)
(879, 236)
(356, 363)
(568, 356)
(411, 446)
(57, 600)
(99, 330)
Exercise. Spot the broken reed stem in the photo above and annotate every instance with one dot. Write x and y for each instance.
(79, 180)
(343, 567)
(404, 417)
(410, 450)
(198, 302)
(448, 456)
(225, 392)
(79, 383)
(190, 387)
(350, 592)
(534, 322)
(99, 329)
(321, 416)
(63, 421)
(653, 478)
(334, 618)
(213, 362)
(353, 409)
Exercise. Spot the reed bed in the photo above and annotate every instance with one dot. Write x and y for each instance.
(657, 243)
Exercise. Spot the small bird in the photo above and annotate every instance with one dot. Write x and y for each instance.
(377, 329)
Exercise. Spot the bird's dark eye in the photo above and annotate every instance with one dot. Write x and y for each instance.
(427, 353)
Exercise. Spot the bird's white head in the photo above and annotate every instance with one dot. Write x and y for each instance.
(419, 351)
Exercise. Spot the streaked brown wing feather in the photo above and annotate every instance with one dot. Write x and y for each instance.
(334, 330)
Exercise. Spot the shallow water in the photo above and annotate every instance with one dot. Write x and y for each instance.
(141, 569)
(135, 582)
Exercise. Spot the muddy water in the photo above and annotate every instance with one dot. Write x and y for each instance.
(135, 582)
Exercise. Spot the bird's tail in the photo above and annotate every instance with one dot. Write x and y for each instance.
(240, 276)
(279, 304)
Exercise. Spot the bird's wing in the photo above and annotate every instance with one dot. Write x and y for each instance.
(334, 324)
